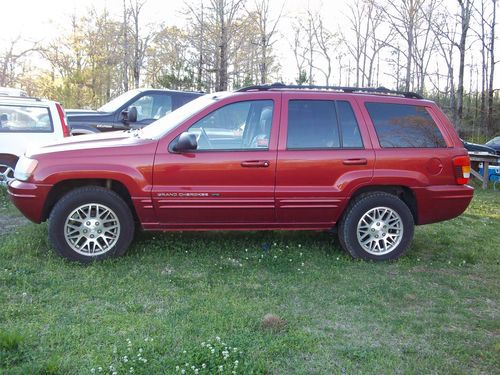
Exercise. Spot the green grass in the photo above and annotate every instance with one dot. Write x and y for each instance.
(436, 310)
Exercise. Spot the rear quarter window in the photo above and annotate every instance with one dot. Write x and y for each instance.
(25, 119)
(404, 126)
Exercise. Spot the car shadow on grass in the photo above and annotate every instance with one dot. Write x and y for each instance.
(220, 243)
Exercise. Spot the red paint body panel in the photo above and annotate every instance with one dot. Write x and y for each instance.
(253, 189)
(29, 198)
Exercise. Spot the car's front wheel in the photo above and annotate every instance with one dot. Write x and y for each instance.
(376, 226)
(91, 223)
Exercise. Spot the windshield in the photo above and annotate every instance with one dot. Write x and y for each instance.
(117, 102)
(494, 142)
(164, 125)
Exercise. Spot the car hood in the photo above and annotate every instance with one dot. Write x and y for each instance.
(105, 142)
(475, 147)
(71, 112)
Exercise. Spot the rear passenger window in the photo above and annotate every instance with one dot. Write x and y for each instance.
(22, 119)
(312, 124)
(351, 138)
(400, 125)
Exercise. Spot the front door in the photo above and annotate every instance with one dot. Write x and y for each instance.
(228, 182)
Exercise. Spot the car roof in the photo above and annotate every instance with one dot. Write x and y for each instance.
(24, 100)
(169, 90)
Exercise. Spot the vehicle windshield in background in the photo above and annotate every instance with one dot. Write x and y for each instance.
(493, 142)
(174, 118)
(117, 102)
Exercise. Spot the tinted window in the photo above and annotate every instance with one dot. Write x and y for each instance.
(24, 119)
(351, 137)
(399, 125)
(312, 124)
(237, 126)
(152, 106)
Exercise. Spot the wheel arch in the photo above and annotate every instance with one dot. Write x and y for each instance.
(65, 186)
(9, 157)
(402, 192)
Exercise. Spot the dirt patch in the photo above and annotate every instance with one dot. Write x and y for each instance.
(11, 223)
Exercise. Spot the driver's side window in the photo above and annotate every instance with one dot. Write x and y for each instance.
(236, 126)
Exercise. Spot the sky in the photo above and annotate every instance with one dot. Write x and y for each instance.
(43, 20)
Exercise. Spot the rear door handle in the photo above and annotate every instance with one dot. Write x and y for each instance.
(360, 161)
(255, 163)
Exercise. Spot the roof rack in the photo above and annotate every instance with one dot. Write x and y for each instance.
(16, 97)
(368, 90)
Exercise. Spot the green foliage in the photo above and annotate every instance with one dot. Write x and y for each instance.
(302, 78)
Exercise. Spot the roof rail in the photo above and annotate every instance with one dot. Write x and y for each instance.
(368, 90)
(16, 97)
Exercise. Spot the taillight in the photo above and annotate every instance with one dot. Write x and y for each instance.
(62, 117)
(461, 165)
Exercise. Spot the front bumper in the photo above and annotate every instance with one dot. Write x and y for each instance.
(29, 198)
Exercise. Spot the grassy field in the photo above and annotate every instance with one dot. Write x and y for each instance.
(166, 303)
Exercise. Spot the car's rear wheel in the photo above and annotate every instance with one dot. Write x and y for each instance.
(376, 226)
(91, 223)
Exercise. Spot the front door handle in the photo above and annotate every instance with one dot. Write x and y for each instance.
(359, 161)
(255, 163)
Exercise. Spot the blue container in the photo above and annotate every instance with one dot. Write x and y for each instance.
(493, 172)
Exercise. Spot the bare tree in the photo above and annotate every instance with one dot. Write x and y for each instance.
(140, 43)
(225, 12)
(126, 57)
(464, 18)
(445, 34)
(425, 43)
(10, 59)
(405, 18)
(326, 41)
(267, 29)
(360, 24)
(299, 52)
(492, 25)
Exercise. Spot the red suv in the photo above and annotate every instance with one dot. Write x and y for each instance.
(370, 162)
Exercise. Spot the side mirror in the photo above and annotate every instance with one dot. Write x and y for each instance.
(129, 115)
(186, 143)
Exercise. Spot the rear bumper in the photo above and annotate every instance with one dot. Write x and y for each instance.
(29, 198)
(438, 203)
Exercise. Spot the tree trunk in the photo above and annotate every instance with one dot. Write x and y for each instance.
(492, 70)
(465, 21)
(125, 48)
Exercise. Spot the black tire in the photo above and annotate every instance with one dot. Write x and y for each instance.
(107, 199)
(362, 207)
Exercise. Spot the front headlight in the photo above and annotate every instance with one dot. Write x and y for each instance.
(24, 168)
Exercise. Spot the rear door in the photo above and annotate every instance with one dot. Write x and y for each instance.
(229, 180)
(324, 154)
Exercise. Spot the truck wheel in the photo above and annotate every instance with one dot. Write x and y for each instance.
(7, 166)
(376, 226)
(91, 223)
